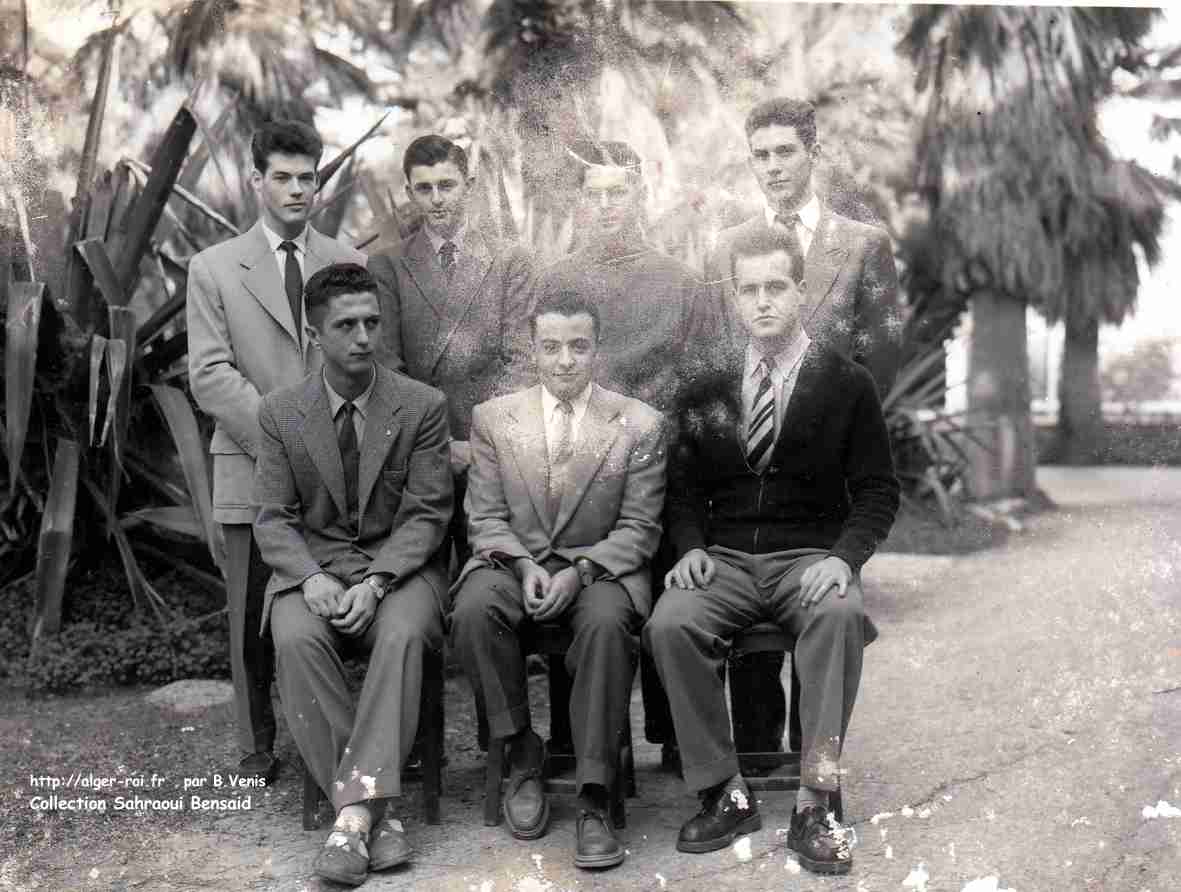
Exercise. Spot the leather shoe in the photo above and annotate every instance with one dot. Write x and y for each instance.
(388, 846)
(344, 858)
(526, 806)
(726, 813)
(597, 846)
(263, 766)
(821, 846)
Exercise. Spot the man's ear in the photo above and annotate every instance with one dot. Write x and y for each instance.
(256, 177)
(409, 192)
(313, 336)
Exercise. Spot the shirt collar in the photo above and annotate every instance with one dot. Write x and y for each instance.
(274, 239)
(785, 359)
(335, 400)
(549, 402)
(809, 213)
(437, 241)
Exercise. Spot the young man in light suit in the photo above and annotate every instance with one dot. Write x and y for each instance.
(564, 502)
(246, 337)
(851, 291)
(354, 495)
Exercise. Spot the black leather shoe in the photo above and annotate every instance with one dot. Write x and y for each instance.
(526, 806)
(263, 766)
(597, 847)
(820, 846)
(726, 814)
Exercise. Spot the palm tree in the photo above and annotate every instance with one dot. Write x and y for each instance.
(1029, 206)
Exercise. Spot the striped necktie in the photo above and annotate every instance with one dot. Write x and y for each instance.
(760, 432)
(559, 460)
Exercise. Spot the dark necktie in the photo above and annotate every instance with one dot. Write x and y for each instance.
(760, 431)
(293, 282)
(447, 259)
(350, 457)
(559, 460)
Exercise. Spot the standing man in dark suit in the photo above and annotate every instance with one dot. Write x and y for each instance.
(564, 503)
(781, 487)
(851, 290)
(354, 496)
(452, 302)
(246, 337)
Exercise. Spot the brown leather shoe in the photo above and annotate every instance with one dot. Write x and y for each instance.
(526, 806)
(821, 845)
(726, 814)
(388, 846)
(344, 858)
(596, 847)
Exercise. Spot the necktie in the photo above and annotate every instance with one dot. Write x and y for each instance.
(786, 223)
(447, 259)
(350, 457)
(560, 457)
(293, 282)
(760, 432)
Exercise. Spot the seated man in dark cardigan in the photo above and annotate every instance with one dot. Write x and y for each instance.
(781, 486)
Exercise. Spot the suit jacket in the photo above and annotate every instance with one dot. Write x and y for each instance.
(404, 491)
(243, 343)
(829, 482)
(610, 512)
(468, 338)
(852, 289)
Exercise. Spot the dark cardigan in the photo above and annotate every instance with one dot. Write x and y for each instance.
(830, 480)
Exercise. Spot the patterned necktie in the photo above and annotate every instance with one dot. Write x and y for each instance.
(560, 457)
(786, 223)
(293, 282)
(447, 259)
(760, 432)
(350, 457)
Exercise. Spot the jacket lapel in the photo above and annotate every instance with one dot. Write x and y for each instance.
(527, 436)
(423, 267)
(826, 256)
(471, 268)
(380, 435)
(319, 436)
(599, 430)
(804, 406)
(260, 277)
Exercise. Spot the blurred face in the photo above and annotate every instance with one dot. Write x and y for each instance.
(440, 192)
(609, 202)
(286, 192)
(782, 165)
(347, 332)
(565, 349)
(769, 301)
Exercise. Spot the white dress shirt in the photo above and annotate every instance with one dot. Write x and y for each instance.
(549, 412)
(783, 378)
(360, 404)
(301, 250)
(437, 241)
(806, 227)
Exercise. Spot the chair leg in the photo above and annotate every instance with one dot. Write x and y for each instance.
(629, 761)
(561, 737)
(311, 802)
(795, 734)
(431, 734)
(838, 806)
(619, 788)
(493, 773)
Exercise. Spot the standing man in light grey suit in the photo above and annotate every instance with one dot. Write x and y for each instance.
(851, 292)
(452, 301)
(564, 503)
(246, 337)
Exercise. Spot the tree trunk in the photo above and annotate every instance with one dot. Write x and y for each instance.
(1079, 440)
(998, 400)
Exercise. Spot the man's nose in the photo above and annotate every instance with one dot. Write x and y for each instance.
(436, 196)
(566, 358)
(362, 335)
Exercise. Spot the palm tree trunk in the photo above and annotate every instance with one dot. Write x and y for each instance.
(1079, 440)
(998, 398)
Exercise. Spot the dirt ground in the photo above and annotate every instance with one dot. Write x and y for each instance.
(1018, 716)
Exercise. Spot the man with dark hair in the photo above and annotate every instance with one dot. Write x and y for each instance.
(452, 301)
(851, 290)
(563, 501)
(781, 487)
(354, 494)
(246, 337)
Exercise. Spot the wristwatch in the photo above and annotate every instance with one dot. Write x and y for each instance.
(588, 571)
(379, 587)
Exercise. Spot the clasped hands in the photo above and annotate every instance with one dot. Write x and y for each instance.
(350, 611)
(546, 597)
(696, 569)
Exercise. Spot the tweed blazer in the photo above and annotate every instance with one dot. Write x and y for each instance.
(852, 289)
(610, 511)
(404, 490)
(469, 338)
(243, 343)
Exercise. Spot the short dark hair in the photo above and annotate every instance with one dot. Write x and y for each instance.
(288, 138)
(763, 241)
(797, 113)
(604, 153)
(432, 149)
(564, 303)
(333, 281)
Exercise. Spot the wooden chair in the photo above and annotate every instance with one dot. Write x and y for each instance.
(552, 641)
(777, 771)
(430, 745)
